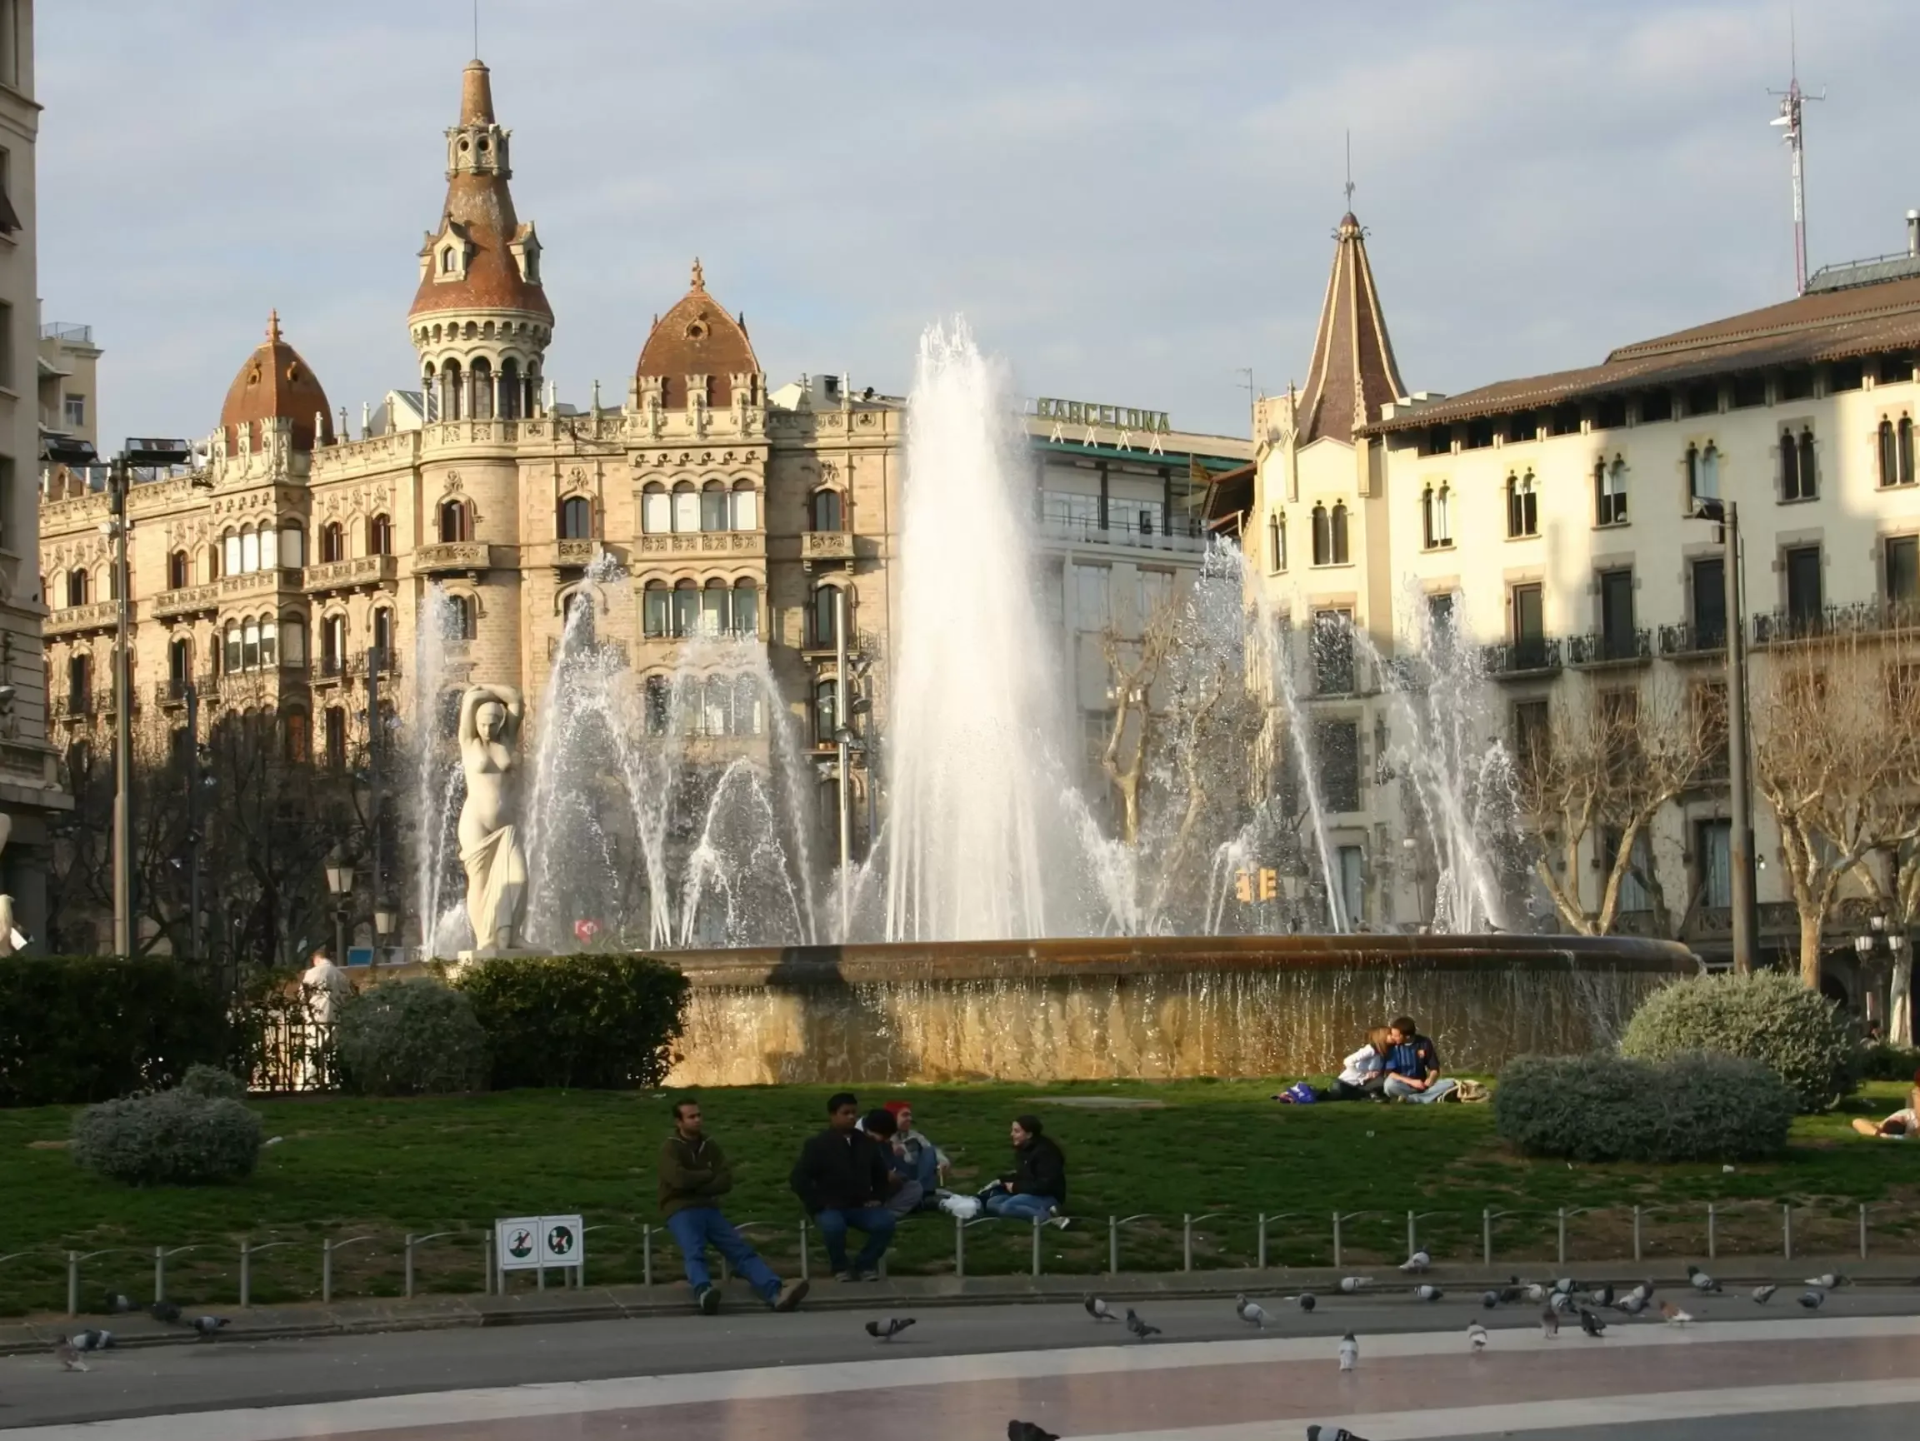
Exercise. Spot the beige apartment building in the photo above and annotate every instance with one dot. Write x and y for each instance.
(1548, 522)
(300, 551)
(30, 797)
(69, 379)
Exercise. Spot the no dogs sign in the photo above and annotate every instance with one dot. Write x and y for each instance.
(525, 1243)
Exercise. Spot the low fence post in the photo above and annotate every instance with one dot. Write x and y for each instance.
(1038, 1222)
(408, 1292)
(1713, 1232)
(1186, 1241)
(1561, 1224)
(1636, 1232)
(1786, 1229)
(246, 1272)
(1261, 1263)
(959, 1248)
(159, 1274)
(326, 1269)
(646, 1255)
(73, 1283)
(1863, 1230)
(1486, 1236)
(1413, 1243)
(1113, 1245)
(1336, 1238)
(804, 1263)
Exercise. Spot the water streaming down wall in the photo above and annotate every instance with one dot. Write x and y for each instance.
(433, 810)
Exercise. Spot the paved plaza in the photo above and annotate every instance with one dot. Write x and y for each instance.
(962, 1372)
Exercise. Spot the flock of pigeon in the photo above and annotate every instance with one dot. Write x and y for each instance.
(71, 1351)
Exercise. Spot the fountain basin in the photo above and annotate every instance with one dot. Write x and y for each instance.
(1149, 1007)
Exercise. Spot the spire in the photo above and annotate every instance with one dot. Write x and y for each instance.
(699, 275)
(1353, 372)
(273, 327)
(476, 94)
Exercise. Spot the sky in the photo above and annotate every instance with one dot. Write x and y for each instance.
(1133, 201)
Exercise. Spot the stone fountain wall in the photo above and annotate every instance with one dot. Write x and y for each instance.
(1149, 1008)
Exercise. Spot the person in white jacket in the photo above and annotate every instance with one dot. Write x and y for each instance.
(1364, 1072)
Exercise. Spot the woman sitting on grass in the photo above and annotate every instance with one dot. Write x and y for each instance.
(1901, 1124)
(1364, 1072)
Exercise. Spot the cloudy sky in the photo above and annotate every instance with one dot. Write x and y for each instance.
(1131, 199)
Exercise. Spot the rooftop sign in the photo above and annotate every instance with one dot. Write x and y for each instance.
(1086, 412)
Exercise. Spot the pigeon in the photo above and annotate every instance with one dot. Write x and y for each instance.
(1349, 1352)
(1674, 1315)
(1250, 1311)
(68, 1356)
(1813, 1300)
(1138, 1327)
(1424, 1292)
(1352, 1284)
(1604, 1295)
(1477, 1336)
(1549, 1322)
(91, 1340)
(1827, 1282)
(1030, 1431)
(1510, 1295)
(1339, 1433)
(1763, 1294)
(164, 1311)
(210, 1326)
(118, 1305)
(880, 1330)
(1644, 1291)
(1701, 1281)
(1559, 1300)
(1566, 1285)
(1417, 1263)
(1306, 1300)
(1591, 1323)
(1489, 1299)
(1100, 1310)
(1631, 1304)
(1535, 1292)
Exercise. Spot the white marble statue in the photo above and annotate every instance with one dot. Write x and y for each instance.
(325, 986)
(489, 842)
(10, 938)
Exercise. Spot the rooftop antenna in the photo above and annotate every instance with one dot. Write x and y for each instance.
(1790, 121)
(476, 29)
(1349, 172)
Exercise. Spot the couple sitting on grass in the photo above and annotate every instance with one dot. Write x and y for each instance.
(1396, 1064)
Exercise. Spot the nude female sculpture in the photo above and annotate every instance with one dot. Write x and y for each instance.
(489, 844)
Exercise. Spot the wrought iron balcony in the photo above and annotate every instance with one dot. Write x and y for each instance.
(1602, 647)
(1691, 638)
(1531, 655)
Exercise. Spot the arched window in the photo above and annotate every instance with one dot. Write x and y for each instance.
(1276, 542)
(1703, 471)
(746, 610)
(179, 570)
(1436, 522)
(1903, 444)
(827, 512)
(686, 609)
(746, 506)
(658, 695)
(716, 706)
(453, 521)
(380, 536)
(293, 545)
(249, 551)
(111, 575)
(1610, 492)
(452, 406)
(269, 643)
(447, 261)
(298, 740)
(230, 553)
(79, 585)
(483, 389)
(1339, 532)
(337, 737)
(825, 694)
(1523, 506)
(230, 658)
(713, 507)
(213, 562)
(333, 542)
(576, 518)
(80, 683)
(686, 507)
(293, 639)
(179, 664)
(824, 627)
(1322, 536)
(333, 644)
(465, 616)
(512, 402)
(656, 610)
(656, 509)
(1799, 478)
(1896, 451)
(383, 638)
(716, 608)
(1889, 459)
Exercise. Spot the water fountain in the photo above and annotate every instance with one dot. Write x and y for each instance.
(1002, 926)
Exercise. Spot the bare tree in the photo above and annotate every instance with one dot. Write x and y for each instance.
(1837, 756)
(1133, 669)
(1595, 773)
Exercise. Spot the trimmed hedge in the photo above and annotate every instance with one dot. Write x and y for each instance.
(586, 1022)
(75, 1029)
(410, 1038)
(210, 1083)
(174, 1138)
(1766, 1016)
(1610, 1108)
(1883, 1062)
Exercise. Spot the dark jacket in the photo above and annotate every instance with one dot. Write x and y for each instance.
(692, 1173)
(1040, 1169)
(841, 1171)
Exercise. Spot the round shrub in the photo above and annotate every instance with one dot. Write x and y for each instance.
(175, 1138)
(1602, 1107)
(1766, 1016)
(594, 1022)
(210, 1083)
(410, 1038)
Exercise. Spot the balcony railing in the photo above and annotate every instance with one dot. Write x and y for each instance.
(1122, 529)
(271, 578)
(705, 542)
(454, 555)
(1690, 638)
(98, 615)
(1531, 655)
(344, 574)
(576, 551)
(67, 331)
(187, 600)
(1602, 647)
(1865, 617)
(826, 545)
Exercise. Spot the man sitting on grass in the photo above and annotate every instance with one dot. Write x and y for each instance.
(694, 1174)
(843, 1180)
(1413, 1066)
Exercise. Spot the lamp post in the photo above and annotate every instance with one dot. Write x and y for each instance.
(340, 883)
(1746, 911)
(385, 919)
(138, 452)
(1899, 1002)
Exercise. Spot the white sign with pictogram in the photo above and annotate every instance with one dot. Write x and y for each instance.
(526, 1243)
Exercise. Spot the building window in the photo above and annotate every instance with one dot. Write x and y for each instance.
(828, 514)
(686, 609)
(1802, 564)
(78, 584)
(293, 639)
(380, 536)
(337, 737)
(746, 612)
(1332, 652)
(179, 664)
(1523, 506)
(1617, 636)
(1092, 597)
(1903, 575)
(1532, 735)
(1336, 745)
(466, 617)
(656, 609)
(294, 731)
(1440, 627)
(658, 701)
(576, 518)
(1330, 534)
(1896, 451)
(1797, 475)
(825, 628)
(249, 551)
(1708, 582)
(686, 508)
(230, 651)
(825, 694)
(656, 510)
(1703, 472)
(333, 543)
(1713, 863)
(80, 683)
(746, 507)
(1353, 892)
(1436, 525)
(230, 553)
(333, 644)
(73, 409)
(1610, 492)
(1634, 896)
(1276, 542)
(1529, 628)
(713, 508)
(382, 637)
(454, 522)
(179, 571)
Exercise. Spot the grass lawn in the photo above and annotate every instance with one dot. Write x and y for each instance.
(354, 1167)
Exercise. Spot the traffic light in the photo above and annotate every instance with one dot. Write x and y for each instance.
(1243, 887)
(1269, 884)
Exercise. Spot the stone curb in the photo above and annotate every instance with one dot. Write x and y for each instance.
(308, 1320)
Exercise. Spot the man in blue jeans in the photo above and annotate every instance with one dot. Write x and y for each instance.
(694, 1174)
(843, 1180)
(1413, 1066)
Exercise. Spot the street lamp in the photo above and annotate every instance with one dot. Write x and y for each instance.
(1746, 910)
(385, 920)
(340, 882)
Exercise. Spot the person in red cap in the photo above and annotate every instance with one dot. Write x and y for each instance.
(915, 1157)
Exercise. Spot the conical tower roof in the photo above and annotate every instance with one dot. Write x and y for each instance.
(1353, 372)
